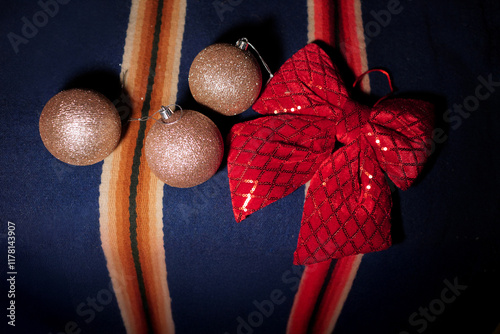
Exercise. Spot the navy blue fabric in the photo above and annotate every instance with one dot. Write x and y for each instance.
(440, 275)
(228, 268)
(61, 269)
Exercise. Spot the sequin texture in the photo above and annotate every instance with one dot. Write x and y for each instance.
(306, 110)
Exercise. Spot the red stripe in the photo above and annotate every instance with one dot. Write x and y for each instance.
(315, 276)
(339, 284)
(324, 28)
(305, 299)
(332, 298)
(348, 35)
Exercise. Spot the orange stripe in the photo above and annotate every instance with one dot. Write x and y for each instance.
(146, 194)
(117, 172)
(150, 189)
(320, 27)
(114, 201)
(132, 309)
(136, 88)
(165, 59)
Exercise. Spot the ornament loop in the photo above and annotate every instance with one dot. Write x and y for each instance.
(166, 113)
(358, 79)
(243, 44)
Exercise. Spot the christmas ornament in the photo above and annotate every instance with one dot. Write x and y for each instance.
(348, 202)
(226, 78)
(184, 148)
(80, 127)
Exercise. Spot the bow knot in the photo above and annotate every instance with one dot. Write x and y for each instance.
(348, 202)
(352, 122)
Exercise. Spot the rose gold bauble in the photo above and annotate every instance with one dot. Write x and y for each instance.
(184, 150)
(80, 127)
(225, 78)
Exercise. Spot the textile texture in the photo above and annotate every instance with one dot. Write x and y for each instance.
(108, 248)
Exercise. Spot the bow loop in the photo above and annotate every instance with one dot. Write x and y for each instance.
(347, 207)
(307, 84)
(270, 157)
(400, 132)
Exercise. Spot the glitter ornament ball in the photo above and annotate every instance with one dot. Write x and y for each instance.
(225, 78)
(184, 150)
(80, 127)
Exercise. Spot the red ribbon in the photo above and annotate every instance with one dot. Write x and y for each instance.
(348, 203)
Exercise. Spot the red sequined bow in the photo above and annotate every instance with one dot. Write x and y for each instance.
(348, 203)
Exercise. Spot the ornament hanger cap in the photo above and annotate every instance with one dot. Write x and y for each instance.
(166, 115)
(243, 44)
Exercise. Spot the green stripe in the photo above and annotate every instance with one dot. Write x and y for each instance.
(134, 179)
